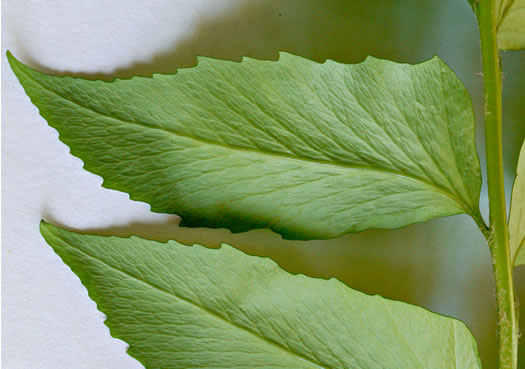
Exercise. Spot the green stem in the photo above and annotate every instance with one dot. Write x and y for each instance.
(498, 239)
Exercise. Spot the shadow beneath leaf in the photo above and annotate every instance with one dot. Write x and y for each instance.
(342, 30)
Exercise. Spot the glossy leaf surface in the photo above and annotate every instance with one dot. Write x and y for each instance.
(309, 150)
(192, 307)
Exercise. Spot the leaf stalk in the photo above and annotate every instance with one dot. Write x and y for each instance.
(498, 239)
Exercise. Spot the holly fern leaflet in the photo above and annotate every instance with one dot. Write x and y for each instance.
(309, 150)
(191, 307)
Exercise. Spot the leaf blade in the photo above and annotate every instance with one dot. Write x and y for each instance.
(511, 24)
(206, 143)
(226, 309)
(517, 213)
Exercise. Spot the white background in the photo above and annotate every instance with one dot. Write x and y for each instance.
(48, 321)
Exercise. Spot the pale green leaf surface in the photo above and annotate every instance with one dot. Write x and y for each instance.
(309, 150)
(511, 24)
(517, 213)
(192, 307)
